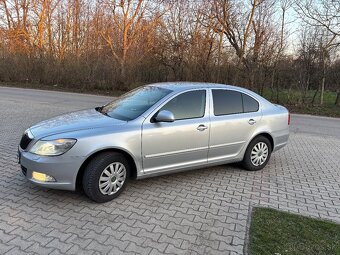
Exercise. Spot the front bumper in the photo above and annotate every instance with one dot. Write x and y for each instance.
(63, 169)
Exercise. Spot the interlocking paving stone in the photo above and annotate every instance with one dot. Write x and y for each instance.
(197, 212)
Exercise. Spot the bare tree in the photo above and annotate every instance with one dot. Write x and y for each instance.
(108, 44)
(235, 24)
(323, 14)
(130, 20)
(246, 27)
(284, 7)
(307, 62)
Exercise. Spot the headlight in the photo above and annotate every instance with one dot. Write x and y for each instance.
(52, 148)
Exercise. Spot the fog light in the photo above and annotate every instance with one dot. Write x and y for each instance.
(42, 177)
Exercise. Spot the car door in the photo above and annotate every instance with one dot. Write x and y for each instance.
(234, 117)
(183, 143)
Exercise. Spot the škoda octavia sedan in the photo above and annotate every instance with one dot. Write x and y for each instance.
(156, 129)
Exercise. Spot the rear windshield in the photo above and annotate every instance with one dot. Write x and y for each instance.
(134, 103)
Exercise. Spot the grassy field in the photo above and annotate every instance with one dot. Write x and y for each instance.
(294, 102)
(279, 233)
(327, 109)
(296, 96)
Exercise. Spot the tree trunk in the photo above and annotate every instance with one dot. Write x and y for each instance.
(322, 90)
(236, 73)
(323, 76)
(305, 91)
(314, 96)
(277, 92)
(219, 56)
(289, 93)
(272, 84)
(337, 100)
(122, 83)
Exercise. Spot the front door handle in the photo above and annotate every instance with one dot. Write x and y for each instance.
(251, 122)
(202, 127)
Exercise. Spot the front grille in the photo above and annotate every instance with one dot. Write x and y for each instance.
(24, 170)
(25, 141)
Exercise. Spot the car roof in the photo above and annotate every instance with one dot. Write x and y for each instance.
(185, 85)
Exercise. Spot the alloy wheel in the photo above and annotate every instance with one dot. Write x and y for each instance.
(259, 154)
(112, 178)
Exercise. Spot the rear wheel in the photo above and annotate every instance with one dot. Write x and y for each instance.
(257, 154)
(106, 176)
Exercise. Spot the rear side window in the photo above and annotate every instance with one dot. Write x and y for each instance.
(249, 104)
(232, 102)
(188, 105)
(227, 102)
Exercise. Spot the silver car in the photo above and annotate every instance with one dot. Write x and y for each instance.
(156, 129)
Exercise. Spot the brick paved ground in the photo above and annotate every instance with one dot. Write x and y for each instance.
(198, 212)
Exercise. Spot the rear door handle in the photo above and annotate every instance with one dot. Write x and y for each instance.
(251, 122)
(202, 127)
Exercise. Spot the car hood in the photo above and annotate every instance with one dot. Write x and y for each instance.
(80, 120)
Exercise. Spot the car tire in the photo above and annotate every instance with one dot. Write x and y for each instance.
(106, 176)
(257, 154)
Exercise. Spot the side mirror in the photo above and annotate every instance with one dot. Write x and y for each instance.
(164, 116)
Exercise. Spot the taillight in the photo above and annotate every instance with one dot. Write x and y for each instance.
(288, 118)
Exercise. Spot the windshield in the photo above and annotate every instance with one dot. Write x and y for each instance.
(134, 103)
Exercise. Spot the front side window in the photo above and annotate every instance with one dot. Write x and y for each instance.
(227, 102)
(134, 103)
(188, 105)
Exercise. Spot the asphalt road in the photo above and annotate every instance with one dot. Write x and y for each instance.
(315, 125)
(203, 211)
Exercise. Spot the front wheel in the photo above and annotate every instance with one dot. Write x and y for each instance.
(106, 176)
(257, 154)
